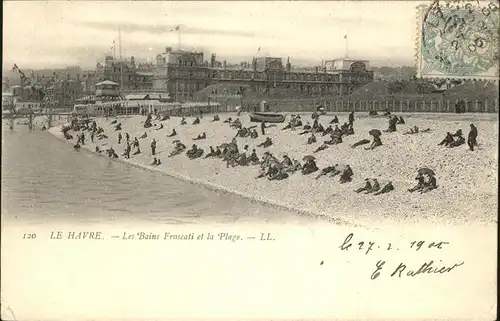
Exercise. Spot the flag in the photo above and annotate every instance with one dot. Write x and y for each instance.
(177, 28)
(345, 36)
(15, 67)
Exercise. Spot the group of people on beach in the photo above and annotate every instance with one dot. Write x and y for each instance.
(270, 166)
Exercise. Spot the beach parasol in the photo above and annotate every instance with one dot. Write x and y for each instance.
(308, 158)
(426, 171)
(375, 132)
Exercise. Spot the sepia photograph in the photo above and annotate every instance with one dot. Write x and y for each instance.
(211, 137)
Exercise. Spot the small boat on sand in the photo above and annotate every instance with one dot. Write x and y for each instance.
(258, 117)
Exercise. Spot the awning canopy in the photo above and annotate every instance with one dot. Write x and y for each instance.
(107, 82)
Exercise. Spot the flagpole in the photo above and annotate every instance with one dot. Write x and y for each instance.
(346, 46)
(121, 59)
(179, 37)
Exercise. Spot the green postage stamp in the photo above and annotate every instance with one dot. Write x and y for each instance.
(458, 39)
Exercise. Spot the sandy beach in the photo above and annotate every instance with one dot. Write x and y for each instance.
(467, 180)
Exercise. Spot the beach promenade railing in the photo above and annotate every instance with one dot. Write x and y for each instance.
(331, 106)
(401, 106)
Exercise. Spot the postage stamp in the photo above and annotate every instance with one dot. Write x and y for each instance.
(458, 40)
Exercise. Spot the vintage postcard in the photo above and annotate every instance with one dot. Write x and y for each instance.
(328, 160)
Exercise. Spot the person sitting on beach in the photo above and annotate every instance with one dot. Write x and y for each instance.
(392, 126)
(216, 118)
(375, 187)
(309, 167)
(183, 121)
(286, 162)
(280, 174)
(457, 142)
(346, 175)
(196, 121)
(268, 171)
(420, 184)
(328, 130)
(372, 113)
(211, 154)
(295, 167)
(161, 127)
(136, 142)
(361, 142)
(118, 127)
(194, 152)
(253, 159)
(165, 117)
(114, 122)
(305, 132)
(318, 129)
(307, 126)
(311, 139)
(236, 123)
(325, 171)
(242, 159)
(349, 130)
(155, 162)
(335, 139)
(268, 142)
(145, 135)
(337, 130)
(386, 189)
(447, 140)
(376, 142)
(367, 187)
(179, 148)
(174, 133)
(401, 121)
(458, 133)
(254, 134)
(77, 146)
(412, 131)
(287, 126)
(229, 120)
(335, 120)
(387, 112)
(242, 132)
(200, 136)
(111, 152)
(44, 128)
(429, 185)
(218, 152)
(158, 163)
(137, 151)
(320, 148)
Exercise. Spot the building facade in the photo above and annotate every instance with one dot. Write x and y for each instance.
(133, 76)
(183, 73)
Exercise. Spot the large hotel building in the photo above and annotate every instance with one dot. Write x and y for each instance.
(184, 73)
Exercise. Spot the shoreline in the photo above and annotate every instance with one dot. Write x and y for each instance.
(340, 208)
(56, 132)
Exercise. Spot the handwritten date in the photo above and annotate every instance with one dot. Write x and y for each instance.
(368, 246)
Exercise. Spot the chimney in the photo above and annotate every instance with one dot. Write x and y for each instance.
(224, 65)
(212, 61)
(316, 69)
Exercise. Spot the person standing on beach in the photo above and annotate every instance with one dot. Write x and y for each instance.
(263, 127)
(127, 151)
(153, 147)
(471, 141)
(351, 118)
(119, 138)
(92, 136)
(83, 138)
(127, 137)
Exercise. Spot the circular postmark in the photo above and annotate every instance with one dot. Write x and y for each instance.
(460, 40)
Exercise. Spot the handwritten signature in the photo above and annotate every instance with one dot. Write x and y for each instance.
(426, 268)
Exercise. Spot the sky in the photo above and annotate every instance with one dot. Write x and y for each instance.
(51, 34)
